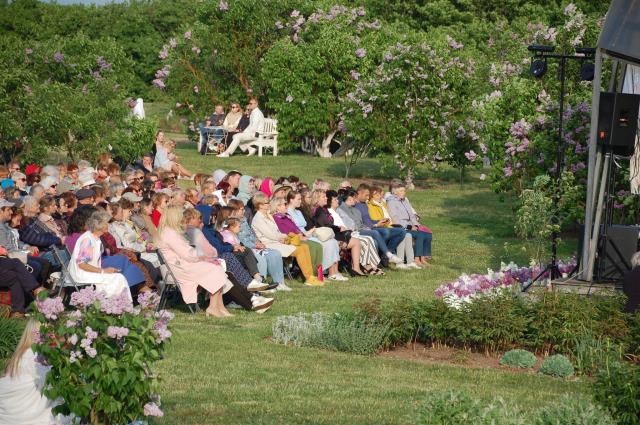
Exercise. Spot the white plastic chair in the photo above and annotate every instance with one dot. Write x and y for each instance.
(268, 137)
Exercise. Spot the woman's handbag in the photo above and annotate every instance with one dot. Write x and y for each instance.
(323, 234)
(424, 228)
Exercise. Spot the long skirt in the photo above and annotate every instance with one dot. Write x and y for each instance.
(368, 250)
(130, 271)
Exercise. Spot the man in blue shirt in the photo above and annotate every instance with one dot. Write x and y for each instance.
(391, 235)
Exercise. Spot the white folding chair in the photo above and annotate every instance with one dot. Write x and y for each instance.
(169, 284)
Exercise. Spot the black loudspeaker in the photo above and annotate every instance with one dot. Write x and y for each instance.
(615, 251)
(618, 121)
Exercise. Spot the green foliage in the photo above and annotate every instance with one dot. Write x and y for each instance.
(617, 388)
(557, 365)
(10, 332)
(573, 411)
(61, 93)
(134, 140)
(633, 321)
(102, 355)
(352, 333)
(591, 354)
(518, 358)
(457, 407)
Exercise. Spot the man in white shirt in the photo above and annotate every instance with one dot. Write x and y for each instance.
(242, 140)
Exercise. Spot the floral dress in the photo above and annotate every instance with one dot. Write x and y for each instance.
(88, 250)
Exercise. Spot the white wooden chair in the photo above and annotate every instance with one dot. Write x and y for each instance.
(268, 137)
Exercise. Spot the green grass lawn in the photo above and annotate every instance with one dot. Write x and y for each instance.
(228, 372)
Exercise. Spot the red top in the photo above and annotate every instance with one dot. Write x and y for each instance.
(155, 217)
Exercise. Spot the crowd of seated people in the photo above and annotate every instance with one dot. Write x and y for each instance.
(232, 236)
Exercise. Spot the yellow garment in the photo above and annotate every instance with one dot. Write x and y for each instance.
(376, 213)
(303, 256)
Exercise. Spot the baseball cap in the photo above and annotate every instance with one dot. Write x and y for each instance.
(84, 194)
(4, 203)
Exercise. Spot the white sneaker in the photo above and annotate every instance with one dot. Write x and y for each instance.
(232, 304)
(414, 266)
(402, 266)
(261, 304)
(252, 151)
(338, 277)
(283, 287)
(394, 258)
(255, 286)
(223, 155)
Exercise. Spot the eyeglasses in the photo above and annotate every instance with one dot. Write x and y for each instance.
(23, 180)
(138, 178)
(54, 185)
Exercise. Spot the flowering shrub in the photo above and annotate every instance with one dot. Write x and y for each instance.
(509, 277)
(101, 355)
(408, 104)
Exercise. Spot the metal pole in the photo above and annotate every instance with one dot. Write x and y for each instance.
(593, 169)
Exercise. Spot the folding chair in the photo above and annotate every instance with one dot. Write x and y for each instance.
(66, 280)
(169, 284)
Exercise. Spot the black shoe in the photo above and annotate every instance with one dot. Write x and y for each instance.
(384, 262)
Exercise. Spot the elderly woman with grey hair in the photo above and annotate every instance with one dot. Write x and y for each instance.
(86, 265)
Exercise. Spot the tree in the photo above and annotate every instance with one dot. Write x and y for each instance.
(415, 92)
(63, 93)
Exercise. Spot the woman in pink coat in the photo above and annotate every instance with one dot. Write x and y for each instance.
(190, 270)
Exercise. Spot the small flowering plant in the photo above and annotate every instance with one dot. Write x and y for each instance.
(101, 355)
(510, 277)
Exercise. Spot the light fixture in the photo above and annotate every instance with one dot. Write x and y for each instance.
(538, 68)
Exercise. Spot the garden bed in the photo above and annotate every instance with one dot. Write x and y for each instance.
(442, 354)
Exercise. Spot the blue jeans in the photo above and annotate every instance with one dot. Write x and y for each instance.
(377, 237)
(392, 236)
(270, 263)
(422, 242)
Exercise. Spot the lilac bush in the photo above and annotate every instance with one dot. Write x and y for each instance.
(510, 277)
(106, 347)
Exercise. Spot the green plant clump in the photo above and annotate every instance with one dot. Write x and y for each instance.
(10, 332)
(457, 407)
(518, 358)
(557, 365)
(617, 387)
(352, 333)
(573, 411)
(590, 354)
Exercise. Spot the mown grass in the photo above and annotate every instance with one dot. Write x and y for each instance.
(228, 372)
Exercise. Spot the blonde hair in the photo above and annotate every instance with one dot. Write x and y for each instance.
(26, 340)
(189, 214)
(275, 203)
(172, 218)
(259, 199)
(315, 196)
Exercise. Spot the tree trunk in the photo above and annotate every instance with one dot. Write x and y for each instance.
(409, 179)
(323, 149)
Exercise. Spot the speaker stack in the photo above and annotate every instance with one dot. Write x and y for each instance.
(618, 121)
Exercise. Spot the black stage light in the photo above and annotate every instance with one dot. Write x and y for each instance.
(540, 48)
(587, 71)
(538, 68)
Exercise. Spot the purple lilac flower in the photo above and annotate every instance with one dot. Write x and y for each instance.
(355, 74)
(360, 53)
(28, 51)
(58, 57)
(74, 356)
(187, 35)
(483, 148)
(117, 304)
(482, 177)
(519, 128)
(152, 409)
(85, 297)
(196, 89)
(192, 127)
(471, 156)
(103, 64)
(388, 57)
(196, 50)
(50, 307)
(618, 206)
(73, 339)
(173, 43)
(150, 299)
(164, 53)
(178, 105)
(454, 44)
(289, 99)
(508, 171)
(158, 83)
(117, 332)
(295, 13)
(279, 25)
(223, 5)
